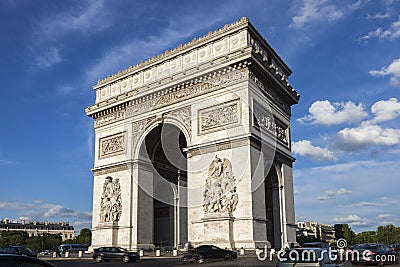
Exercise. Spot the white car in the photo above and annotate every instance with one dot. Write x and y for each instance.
(307, 257)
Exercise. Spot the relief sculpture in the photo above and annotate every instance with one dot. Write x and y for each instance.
(110, 204)
(220, 190)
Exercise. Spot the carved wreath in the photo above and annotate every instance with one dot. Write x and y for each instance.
(220, 190)
(110, 204)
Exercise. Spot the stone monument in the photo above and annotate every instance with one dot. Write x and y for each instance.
(193, 145)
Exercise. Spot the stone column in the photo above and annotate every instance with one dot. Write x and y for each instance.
(288, 205)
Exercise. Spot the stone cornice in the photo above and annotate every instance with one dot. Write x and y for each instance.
(114, 108)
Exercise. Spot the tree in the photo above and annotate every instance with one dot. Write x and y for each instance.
(348, 234)
(13, 238)
(338, 231)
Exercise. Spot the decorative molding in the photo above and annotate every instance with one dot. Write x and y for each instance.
(183, 115)
(219, 117)
(220, 188)
(110, 203)
(110, 118)
(110, 169)
(112, 145)
(215, 147)
(263, 120)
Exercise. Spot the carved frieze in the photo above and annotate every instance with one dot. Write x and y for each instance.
(110, 118)
(220, 189)
(266, 121)
(110, 203)
(219, 117)
(112, 145)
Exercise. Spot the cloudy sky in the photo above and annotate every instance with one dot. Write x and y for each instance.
(345, 58)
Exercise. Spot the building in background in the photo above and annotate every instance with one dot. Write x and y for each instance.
(316, 230)
(39, 228)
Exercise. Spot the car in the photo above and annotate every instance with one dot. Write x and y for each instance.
(114, 253)
(45, 252)
(306, 257)
(373, 253)
(11, 260)
(192, 257)
(71, 248)
(214, 252)
(18, 250)
(316, 245)
(395, 247)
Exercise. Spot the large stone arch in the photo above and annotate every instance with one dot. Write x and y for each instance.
(230, 78)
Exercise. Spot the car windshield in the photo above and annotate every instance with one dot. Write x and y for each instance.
(23, 250)
(299, 256)
(367, 246)
(122, 249)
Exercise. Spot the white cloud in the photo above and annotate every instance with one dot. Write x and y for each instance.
(48, 58)
(88, 17)
(393, 71)
(352, 220)
(306, 149)
(45, 211)
(333, 194)
(367, 204)
(379, 16)
(315, 11)
(358, 138)
(392, 32)
(385, 110)
(384, 216)
(327, 113)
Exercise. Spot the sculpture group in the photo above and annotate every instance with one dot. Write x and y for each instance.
(220, 189)
(110, 204)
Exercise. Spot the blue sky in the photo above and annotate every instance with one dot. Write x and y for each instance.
(345, 58)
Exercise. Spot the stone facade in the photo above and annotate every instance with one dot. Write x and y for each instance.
(228, 94)
(34, 228)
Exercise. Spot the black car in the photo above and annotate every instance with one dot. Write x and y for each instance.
(373, 253)
(114, 253)
(192, 257)
(214, 252)
(9, 260)
(395, 247)
(18, 250)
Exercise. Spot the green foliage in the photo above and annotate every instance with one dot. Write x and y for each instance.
(388, 234)
(13, 238)
(84, 237)
(42, 242)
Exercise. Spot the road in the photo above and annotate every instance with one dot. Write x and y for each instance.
(241, 262)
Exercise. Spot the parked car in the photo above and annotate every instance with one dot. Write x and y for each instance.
(10, 260)
(72, 248)
(373, 253)
(18, 250)
(316, 245)
(306, 257)
(114, 253)
(214, 252)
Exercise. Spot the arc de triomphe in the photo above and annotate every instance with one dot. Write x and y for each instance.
(193, 145)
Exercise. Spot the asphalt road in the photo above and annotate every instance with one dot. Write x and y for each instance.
(241, 262)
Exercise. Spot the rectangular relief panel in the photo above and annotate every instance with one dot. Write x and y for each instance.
(219, 117)
(112, 145)
(264, 120)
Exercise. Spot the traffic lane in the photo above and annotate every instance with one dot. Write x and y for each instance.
(240, 262)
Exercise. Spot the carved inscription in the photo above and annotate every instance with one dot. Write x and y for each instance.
(112, 145)
(219, 117)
